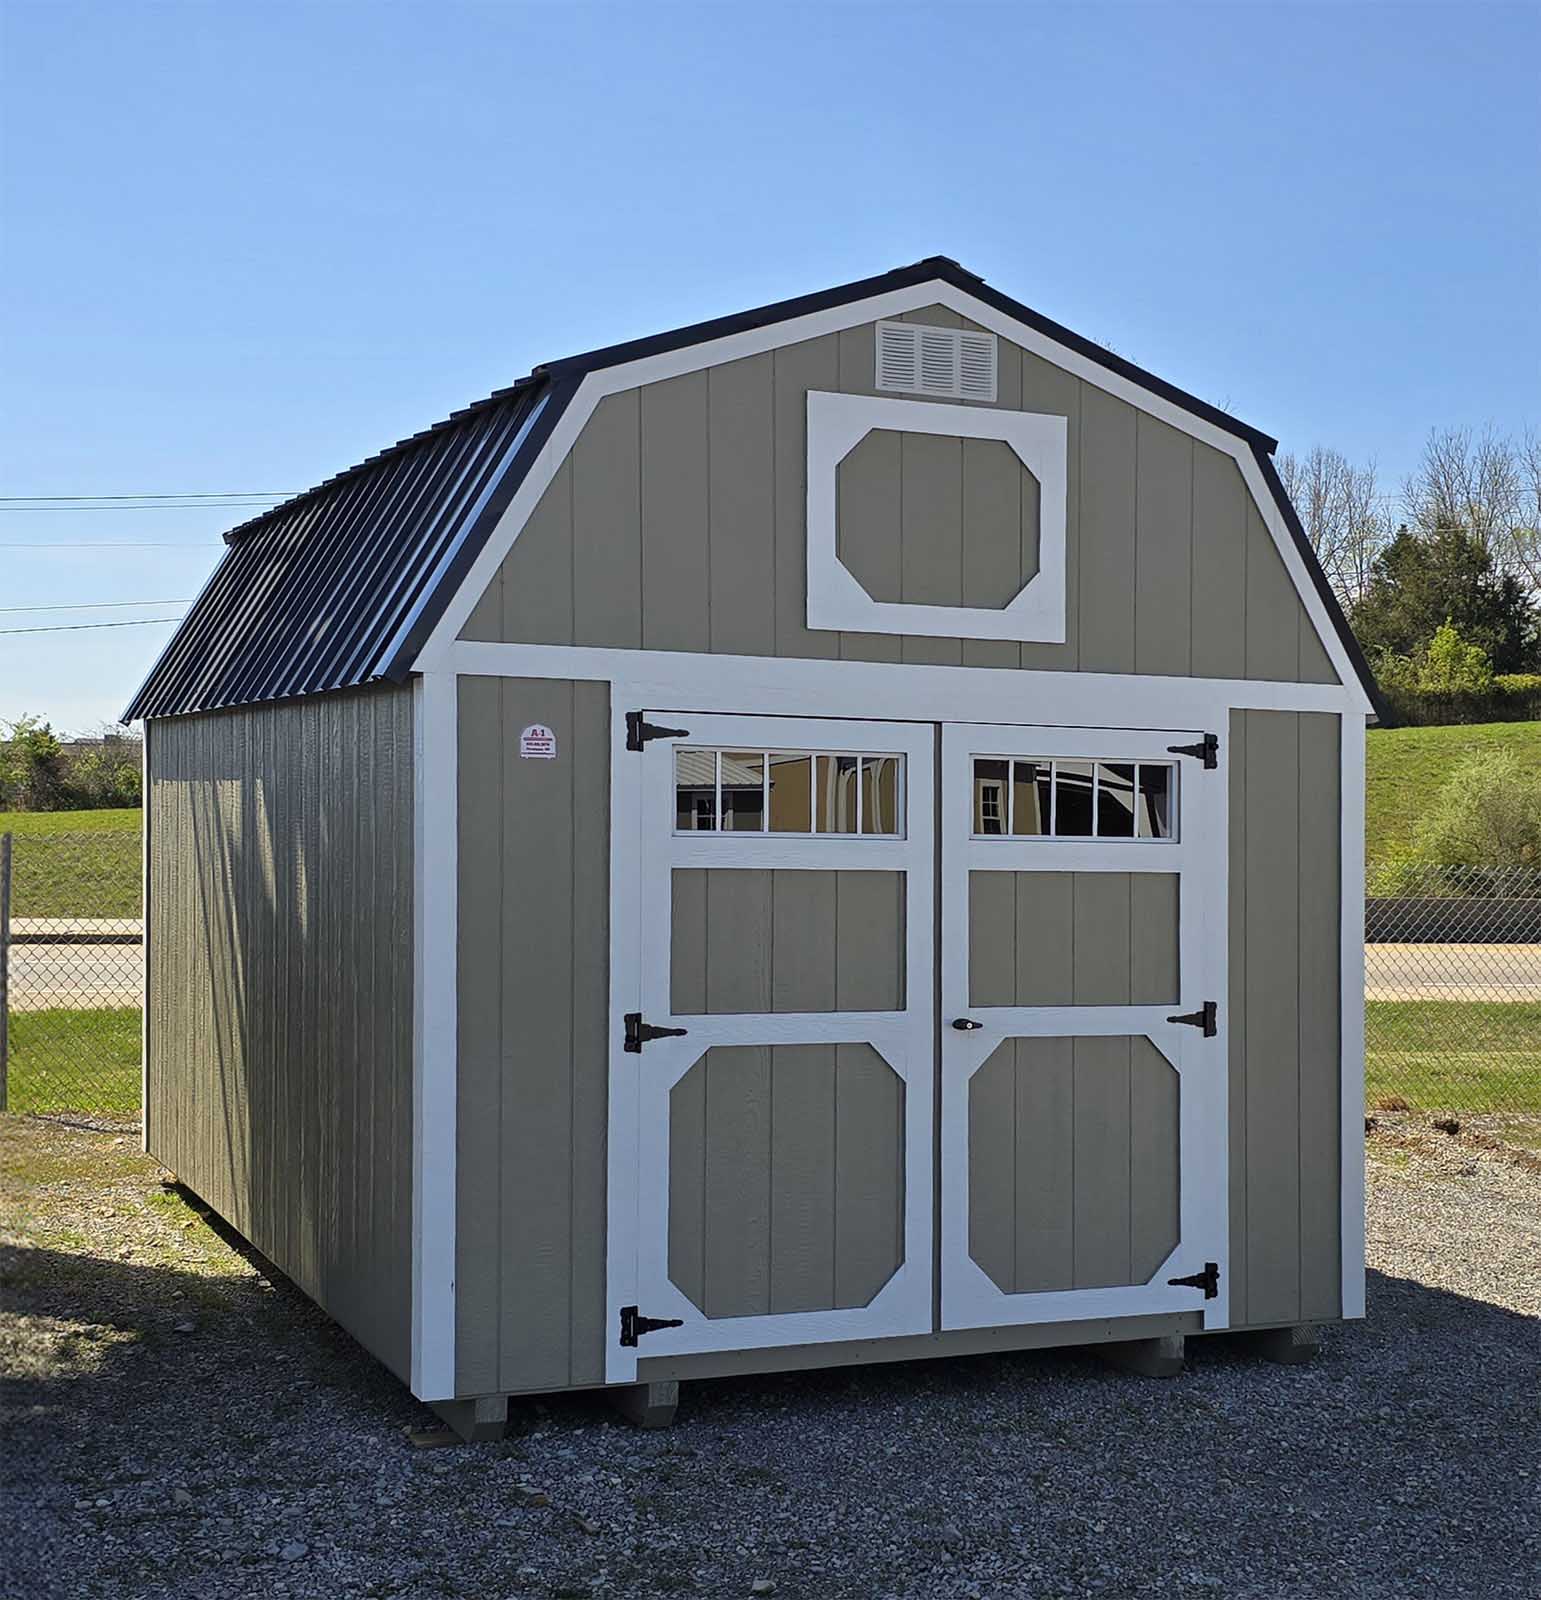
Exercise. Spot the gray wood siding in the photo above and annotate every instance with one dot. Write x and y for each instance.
(1073, 1169)
(786, 1179)
(1073, 938)
(533, 1056)
(756, 940)
(678, 523)
(1285, 850)
(279, 1080)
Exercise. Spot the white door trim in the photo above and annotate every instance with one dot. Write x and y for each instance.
(645, 850)
(1351, 1016)
(970, 1299)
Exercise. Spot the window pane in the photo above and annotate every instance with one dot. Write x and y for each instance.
(989, 797)
(791, 794)
(1030, 797)
(880, 794)
(695, 789)
(1115, 800)
(743, 791)
(1155, 803)
(835, 793)
(1073, 799)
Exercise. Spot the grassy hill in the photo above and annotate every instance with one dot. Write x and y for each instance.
(1404, 766)
(74, 863)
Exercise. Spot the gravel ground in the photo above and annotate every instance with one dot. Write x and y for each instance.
(179, 1423)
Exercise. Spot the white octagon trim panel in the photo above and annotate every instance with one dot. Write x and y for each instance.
(836, 425)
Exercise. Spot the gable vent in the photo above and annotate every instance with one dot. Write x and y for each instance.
(955, 363)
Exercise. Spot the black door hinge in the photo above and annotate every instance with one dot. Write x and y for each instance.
(1206, 1017)
(1208, 1280)
(638, 1032)
(1207, 750)
(634, 1325)
(639, 732)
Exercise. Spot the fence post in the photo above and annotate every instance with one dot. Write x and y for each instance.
(5, 971)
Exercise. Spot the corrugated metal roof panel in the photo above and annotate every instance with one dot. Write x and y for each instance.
(318, 593)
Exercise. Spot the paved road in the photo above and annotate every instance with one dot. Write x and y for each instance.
(1452, 971)
(80, 963)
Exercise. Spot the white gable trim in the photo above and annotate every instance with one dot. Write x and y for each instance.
(794, 330)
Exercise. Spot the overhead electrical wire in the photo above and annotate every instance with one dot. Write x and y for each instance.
(97, 605)
(77, 627)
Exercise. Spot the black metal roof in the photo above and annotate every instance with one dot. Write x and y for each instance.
(343, 584)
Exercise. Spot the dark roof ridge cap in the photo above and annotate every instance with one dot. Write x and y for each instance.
(454, 419)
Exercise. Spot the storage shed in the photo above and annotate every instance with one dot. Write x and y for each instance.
(827, 836)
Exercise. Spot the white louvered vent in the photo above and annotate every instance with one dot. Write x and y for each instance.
(954, 363)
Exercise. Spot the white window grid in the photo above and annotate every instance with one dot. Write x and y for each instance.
(851, 774)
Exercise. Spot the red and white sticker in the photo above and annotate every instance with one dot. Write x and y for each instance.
(537, 743)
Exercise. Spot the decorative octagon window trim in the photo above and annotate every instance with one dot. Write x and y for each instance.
(837, 423)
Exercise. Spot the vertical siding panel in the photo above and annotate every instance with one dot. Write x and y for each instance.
(1049, 389)
(1044, 1115)
(869, 1173)
(1045, 911)
(1273, 631)
(1273, 1017)
(1103, 1162)
(1102, 955)
(535, 1160)
(687, 943)
(738, 1137)
(1163, 621)
(994, 1161)
(1320, 1045)
(1154, 1165)
(992, 949)
(803, 945)
(814, 364)
(676, 555)
(1153, 920)
(931, 524)
(1107, 469)
(869, 941)
(479, 1027)
(994, 540)
(868, 500)
(687, 1184)
(1220, 501)
(1236, 1016)
(1315, 667)
(802, 1205)
(738, 940)
(607, 525)
(591, 1011)
(741, 506)
(538, 581)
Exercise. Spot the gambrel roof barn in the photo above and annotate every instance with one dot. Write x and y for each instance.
(832, 834)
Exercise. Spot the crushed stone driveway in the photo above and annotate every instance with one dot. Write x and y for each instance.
(182, 1423)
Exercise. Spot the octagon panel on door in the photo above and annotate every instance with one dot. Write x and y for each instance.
(785, 1041)
(1083, 1157)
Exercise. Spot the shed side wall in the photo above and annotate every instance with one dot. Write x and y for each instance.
(279, 1080)
(678, 522)
(533, 1051)
(1284, 1017)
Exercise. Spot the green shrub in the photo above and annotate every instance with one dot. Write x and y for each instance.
(1487, 814)
(1451, 666)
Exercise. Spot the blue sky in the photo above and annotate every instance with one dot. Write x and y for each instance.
(245, 245)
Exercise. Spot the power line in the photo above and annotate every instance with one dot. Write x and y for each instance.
(147, 505)
(98, 605)
(168, 494)
(77, 627)
(109, 544)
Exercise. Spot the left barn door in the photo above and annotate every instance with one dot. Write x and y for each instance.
(782, 1119)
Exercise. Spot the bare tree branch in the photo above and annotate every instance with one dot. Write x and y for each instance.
(1338, 507)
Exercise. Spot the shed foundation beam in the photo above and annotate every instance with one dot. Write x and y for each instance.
(648, 1405)
(1150, 1358)
(1287, 1346)
(476, 1421)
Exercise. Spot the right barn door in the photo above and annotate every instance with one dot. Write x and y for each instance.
(1083, 1132)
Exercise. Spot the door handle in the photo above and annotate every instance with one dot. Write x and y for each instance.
(966, 1024)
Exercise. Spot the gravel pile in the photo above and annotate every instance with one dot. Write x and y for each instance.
(181, 1425)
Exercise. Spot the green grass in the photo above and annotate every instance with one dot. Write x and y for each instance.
(1454, 1055)
(67, 1060)
(1406, 767)
(74, 863)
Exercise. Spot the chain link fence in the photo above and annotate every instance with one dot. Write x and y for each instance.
(1453, 994)
(72, 954)
(1452, 967)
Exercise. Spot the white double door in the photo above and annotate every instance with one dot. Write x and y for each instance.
(895, 1044)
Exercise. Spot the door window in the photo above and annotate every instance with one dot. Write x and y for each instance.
(1074, 799)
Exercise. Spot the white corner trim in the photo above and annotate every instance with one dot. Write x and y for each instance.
(434, 1091)
(1351, 1012)
(837, 423)
(144, 938)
